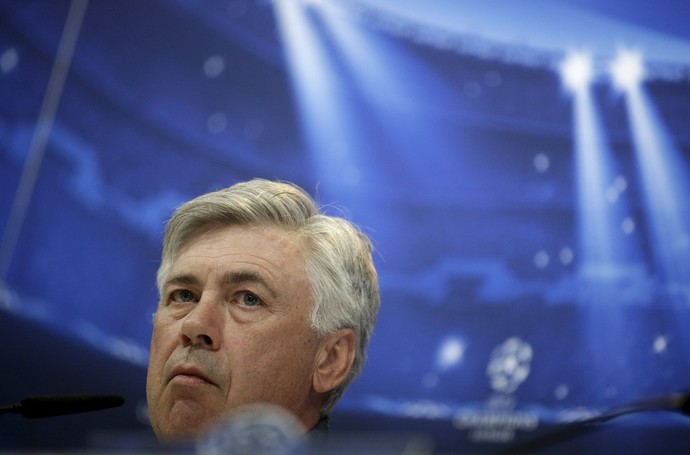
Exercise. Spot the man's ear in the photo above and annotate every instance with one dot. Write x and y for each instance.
(334, 360)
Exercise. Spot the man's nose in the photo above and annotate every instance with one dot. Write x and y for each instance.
(203, 326)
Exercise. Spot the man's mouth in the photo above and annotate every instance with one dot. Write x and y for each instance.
(189, 375)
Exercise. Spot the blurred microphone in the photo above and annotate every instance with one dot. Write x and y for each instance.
(50, 406)
(675, 402)
(258, 429)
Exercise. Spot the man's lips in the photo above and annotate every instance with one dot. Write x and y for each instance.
(189, 375)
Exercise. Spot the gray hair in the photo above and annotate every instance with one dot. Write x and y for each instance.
(339, 266)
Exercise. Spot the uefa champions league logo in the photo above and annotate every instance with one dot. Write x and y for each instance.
(509, 365)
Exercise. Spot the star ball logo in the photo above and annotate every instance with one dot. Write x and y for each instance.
(509, 365)
(499, 421)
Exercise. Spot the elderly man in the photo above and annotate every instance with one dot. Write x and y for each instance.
(262, 300)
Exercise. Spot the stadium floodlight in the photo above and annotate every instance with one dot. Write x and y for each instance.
(576, 71)
(627, 70)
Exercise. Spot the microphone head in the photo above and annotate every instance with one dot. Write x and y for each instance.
(50, 406)
(684, 404)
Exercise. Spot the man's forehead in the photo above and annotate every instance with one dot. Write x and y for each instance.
(249, 248)
(240, 234)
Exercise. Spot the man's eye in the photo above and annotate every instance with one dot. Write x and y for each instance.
(247, 299)
(183, 296)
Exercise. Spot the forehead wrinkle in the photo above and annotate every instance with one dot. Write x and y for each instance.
(240, 258)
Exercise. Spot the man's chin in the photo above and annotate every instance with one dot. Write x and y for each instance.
(185, 422)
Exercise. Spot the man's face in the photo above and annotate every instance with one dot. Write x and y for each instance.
(232, 328)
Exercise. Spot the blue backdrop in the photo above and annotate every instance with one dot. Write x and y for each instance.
(532, 234)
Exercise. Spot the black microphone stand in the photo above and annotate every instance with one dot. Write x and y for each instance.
(676, 402)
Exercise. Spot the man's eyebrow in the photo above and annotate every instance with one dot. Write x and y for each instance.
(182, 279)
(247, 276)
